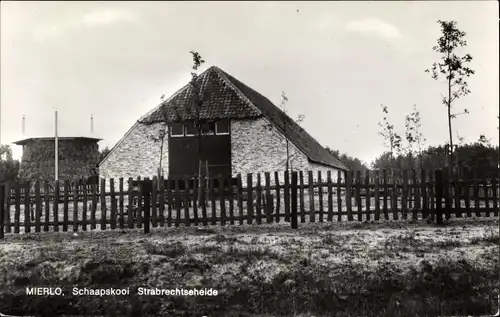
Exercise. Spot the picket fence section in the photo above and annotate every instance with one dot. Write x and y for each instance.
(134, 203)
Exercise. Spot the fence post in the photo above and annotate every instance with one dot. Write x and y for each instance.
(146, 189)
(294, 200)
(2, 208)
(439, 196)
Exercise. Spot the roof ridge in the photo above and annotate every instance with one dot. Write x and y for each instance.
(179, 91)
(240, 93)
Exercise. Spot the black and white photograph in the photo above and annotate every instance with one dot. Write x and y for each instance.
(249, 158)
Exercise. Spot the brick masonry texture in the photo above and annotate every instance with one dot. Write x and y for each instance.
(256, 147)
(77, 158)
(137, 155)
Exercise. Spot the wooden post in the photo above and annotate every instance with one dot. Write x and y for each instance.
(93, 221)
(177, 202)
(75, 207)
(278, 198)
(84, 211)
(320, 196)
(239, 190)
(467, 193)
(348, 194)
(367, 195)
(154, 202)
(432, 195)
(7, 199)
(269, 198)
(385, 207)
(294, 200)
(258, 200)
(195, 199)
(187, 200)
(339, 196)
(230, 198)
(112, 214)
(249, 199)
(139, 212)
(377, 195)
(494, 185)
(169, 204)
(358, 195)
(130, 214)
(2, 209)
(222, 201)
(330, 195)
(486, 199)
(55, 206)
(103, 203)
(66, 206)
(405, 195)
(38, 206)
(439, 196)
(47, 206)
(425, 202)
(122, 219)
(27, 206)
(161, 200)
(394, 198)
(457, 188)
(310, 181)
(212, 200)
(286, 196)
(17, 214)
(146, 189)
(301, 198)
(447, 193)
(416, 194)
(475, 187)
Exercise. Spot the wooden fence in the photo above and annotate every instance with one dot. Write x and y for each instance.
(136, 203)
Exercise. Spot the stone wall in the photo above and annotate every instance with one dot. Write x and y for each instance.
(77, 159)
(259, 148)
(136, 155)
(255, 148)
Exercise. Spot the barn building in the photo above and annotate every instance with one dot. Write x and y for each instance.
(244, 133)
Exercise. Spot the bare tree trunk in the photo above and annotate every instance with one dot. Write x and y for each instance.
(161, 158)
(201, 186)
(287, 154)
(450, 157)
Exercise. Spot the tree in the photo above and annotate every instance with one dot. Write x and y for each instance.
(392, 139)
(455, 70)
(103, 153)
(484, 140)
(193, 110)
(195, 106)
(9, 168)
(286, 128)
(413, 136)
(160, 138)
(353, 163)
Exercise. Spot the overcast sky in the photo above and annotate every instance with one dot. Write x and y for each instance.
(336, 61)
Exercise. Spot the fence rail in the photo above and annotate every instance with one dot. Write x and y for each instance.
(138, 203)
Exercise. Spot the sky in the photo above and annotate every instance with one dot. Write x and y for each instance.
(337, 62)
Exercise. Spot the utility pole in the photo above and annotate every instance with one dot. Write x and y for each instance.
(91, 124)
(56, 154)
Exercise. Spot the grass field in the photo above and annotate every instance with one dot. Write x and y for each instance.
(340, 269)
